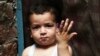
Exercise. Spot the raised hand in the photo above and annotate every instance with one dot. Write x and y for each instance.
(62, 32)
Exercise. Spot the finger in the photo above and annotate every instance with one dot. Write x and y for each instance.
(57, 31)
(65, 25)
(70, 26)
(57, 25)
(57, 34)
(71, 35)
(61, 25)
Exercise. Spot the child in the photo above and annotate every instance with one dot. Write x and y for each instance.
(50, 40)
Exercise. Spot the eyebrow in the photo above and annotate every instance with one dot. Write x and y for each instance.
(44, 23)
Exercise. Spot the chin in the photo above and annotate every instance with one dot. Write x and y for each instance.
(45, 45)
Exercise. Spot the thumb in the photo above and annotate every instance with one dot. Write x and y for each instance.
(71, 35)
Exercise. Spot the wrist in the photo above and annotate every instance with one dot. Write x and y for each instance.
(63, 45)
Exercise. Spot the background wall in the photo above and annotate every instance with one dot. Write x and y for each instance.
(8, 31)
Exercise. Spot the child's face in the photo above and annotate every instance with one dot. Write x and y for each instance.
(43, 28)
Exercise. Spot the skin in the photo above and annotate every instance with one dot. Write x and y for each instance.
(46, 34)
(43, 29)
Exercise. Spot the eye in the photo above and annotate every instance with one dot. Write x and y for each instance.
(35, 27)
(49, 25)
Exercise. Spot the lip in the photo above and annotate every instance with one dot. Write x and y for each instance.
(43, 38)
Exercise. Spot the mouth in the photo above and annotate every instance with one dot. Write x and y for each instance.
(43, 38)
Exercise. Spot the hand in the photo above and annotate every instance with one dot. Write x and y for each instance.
(62, 33)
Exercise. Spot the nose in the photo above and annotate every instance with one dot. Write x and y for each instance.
(42, 31)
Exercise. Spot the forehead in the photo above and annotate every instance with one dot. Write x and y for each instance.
(47, 16)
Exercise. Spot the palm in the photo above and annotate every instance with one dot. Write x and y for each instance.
(62, 33)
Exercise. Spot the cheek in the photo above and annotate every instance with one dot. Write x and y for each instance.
(52, 35)
(34, 33)
(52, 32)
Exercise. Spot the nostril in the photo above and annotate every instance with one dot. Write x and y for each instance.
(43, 34)
(42, 30)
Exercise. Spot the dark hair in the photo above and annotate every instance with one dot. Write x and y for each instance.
(41, 8)
(46, 6)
